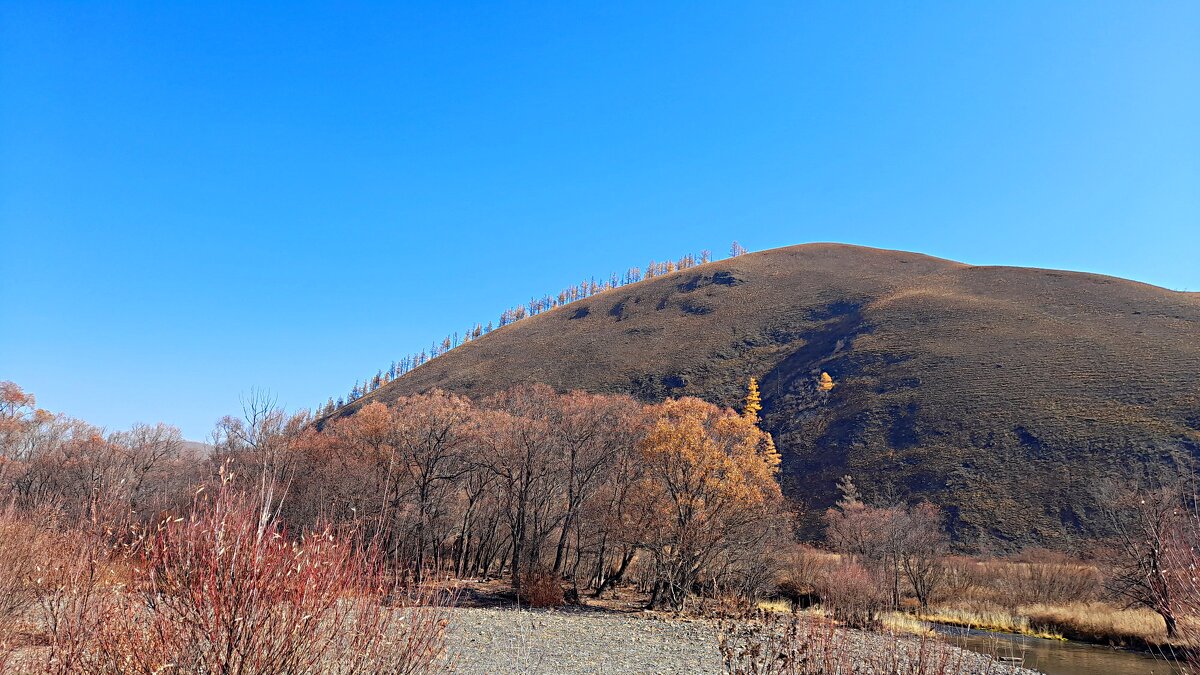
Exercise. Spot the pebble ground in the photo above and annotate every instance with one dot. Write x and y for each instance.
(570, 642)
(502, 641)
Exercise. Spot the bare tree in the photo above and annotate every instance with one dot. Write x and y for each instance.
(150, 452)
(593, 431)
(895, 543)
(432, 433)
(264, 439)
(1147, 523)
(923, 551)
(521, 453)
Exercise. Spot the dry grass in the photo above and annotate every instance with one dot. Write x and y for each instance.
(775, 606)
(1095, 622)
(984, 617)
(1041, 594)
(902, 623)
(1100, 622)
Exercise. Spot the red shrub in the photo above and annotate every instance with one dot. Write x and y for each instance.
(225, 591)
(542, 588)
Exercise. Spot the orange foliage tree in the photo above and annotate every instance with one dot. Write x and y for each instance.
(710, 480)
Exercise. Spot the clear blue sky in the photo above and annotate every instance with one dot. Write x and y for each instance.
(196, 199)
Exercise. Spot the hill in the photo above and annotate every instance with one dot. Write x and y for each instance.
(1003, 394)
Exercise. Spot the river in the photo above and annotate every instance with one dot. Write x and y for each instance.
(1059, 657)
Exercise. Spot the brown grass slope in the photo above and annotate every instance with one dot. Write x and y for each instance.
(1003, 394)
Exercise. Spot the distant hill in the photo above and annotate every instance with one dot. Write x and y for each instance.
(1001, 393)
(197, 448)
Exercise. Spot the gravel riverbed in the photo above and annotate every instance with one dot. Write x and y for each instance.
(567, 642)
(570, 642)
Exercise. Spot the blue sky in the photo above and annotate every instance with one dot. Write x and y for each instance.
(199, 198)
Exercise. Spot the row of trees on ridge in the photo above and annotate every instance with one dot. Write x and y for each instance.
(535, 306)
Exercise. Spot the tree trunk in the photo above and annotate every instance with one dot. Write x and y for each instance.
(561, 553)
(615, 578)
(1172, 626)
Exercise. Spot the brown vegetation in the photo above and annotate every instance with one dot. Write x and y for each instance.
(1044, 594)
(220, 590)
(894, 558)
(586, 289)
(542, 588)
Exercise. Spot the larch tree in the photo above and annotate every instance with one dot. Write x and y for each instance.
(825, 382)
(753, 401)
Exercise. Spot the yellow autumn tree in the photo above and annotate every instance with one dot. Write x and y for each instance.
(710, 478)
(753, 401)
(825, 382)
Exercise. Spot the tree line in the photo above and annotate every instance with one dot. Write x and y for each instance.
(527, 484)
(585, 289)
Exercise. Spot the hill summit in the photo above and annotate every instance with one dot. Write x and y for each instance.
(1003, 394)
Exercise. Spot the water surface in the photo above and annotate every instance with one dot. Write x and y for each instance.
(1059, 657)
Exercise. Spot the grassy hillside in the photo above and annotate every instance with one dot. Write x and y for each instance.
(1001, 393)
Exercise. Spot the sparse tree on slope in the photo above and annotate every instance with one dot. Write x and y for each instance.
(825, 382)
(753, 401)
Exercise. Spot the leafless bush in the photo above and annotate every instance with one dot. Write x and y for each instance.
(23, 546)
(1061, 582)
(53, 591)
(225, 591)
(31, 559)
(962, 581)
(803, 568)
(1043, 579)
(1033, 577)
(898, 543)
(853, 595)
(75, 590)
(542, 588)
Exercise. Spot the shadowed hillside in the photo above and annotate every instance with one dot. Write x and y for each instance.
(1001, 393)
